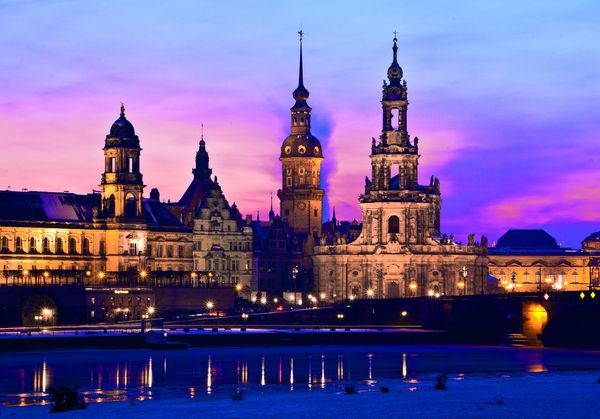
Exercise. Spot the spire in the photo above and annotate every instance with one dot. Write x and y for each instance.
(122, 109)
(202, 169)
(333, 219)
(395, 71)
(301, 93)
(271, 212)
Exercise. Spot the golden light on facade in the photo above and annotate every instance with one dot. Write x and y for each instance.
(322, 295)
(101, 275)
(194, 275)
(352, 297)
(430, 293)
(87, 273)
(370, 292)
(151, 310)
(25, 272)
(143, 274)
(46, 274)
(461, 284)
(263, 300)
(413, 285)
(238, 287)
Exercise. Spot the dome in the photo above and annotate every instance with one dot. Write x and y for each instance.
(122, 128)
(301, 145)
(592, 242)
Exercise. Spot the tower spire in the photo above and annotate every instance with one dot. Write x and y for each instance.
(271, 212)
(301, 93)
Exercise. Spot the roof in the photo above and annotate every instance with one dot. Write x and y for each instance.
(527, 239)
(47, 206)
(594, 237)
(69, 207)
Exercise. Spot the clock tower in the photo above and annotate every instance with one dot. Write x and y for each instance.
(301, 195)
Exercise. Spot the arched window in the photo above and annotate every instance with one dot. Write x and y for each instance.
(4, 247)
(131, 207)
(59, 246)
(72, 246)
(32, 245)
(109, 206)
(85, 246)
(394, 224)
(46, 245)
(19, 245)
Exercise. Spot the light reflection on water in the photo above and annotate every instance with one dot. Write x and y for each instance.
(130, 375)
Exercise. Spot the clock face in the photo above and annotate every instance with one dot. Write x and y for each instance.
(301, 205)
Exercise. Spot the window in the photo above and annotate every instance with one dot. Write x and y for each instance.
(169, 251)
(288, 181)
(287, 212)
(59, 246)
(394, 118)
(316, 213)
(46, 245)
(132, 248)
(102, 248)
(393, 225)
(72, 246)
(180, 251)
(32, 245)
(149, 250)
(159, 252)
(111, 165)
(85, 246)
(130, 164)
(4, 244)
(19, 245)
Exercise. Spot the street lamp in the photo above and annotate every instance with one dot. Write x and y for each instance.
(294, 275)
(151, 310)
(210, 305)
(370, 293)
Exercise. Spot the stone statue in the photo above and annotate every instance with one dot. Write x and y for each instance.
(484, 241)
(412, 232)
(451, 239)
(471, 240)
(444, 238)
(436, 184)
(416, 141)
(322, 240)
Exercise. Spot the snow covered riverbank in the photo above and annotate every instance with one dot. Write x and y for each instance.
(540, 395)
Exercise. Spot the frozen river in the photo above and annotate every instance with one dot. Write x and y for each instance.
(215, 373)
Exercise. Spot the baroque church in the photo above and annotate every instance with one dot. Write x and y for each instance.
(400, 251)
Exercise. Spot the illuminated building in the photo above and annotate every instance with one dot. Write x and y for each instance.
(533, 261)
(106, 238)
(400, 251)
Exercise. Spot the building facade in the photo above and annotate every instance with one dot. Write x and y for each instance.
(400, 251)
(533, 261)
(111, 237)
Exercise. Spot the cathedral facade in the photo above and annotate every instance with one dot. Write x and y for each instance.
(400, 251)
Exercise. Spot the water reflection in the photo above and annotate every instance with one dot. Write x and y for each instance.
(129, 375)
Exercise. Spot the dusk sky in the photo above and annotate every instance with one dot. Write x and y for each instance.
(504, 97)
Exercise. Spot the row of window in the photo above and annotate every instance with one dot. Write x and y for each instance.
(167, 251)
(72, 247)
(130, 165)
(225, 265)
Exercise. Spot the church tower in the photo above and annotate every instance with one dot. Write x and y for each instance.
(301, 195)
(122, 186)
(395, 207)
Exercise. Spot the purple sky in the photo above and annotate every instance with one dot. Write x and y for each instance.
(504, 98)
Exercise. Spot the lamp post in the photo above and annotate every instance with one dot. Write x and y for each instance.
(294, 275)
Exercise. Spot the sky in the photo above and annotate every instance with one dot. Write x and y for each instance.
(504, 97)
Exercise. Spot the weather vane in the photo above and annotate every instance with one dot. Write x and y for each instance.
(301, 34)
(395, 34)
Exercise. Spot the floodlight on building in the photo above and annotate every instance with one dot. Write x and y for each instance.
(322, 295)
(370, 292)
(263, 300)
(238, 287)
(143, 274)
(210, 305)
(404, 313)
(151, 310)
